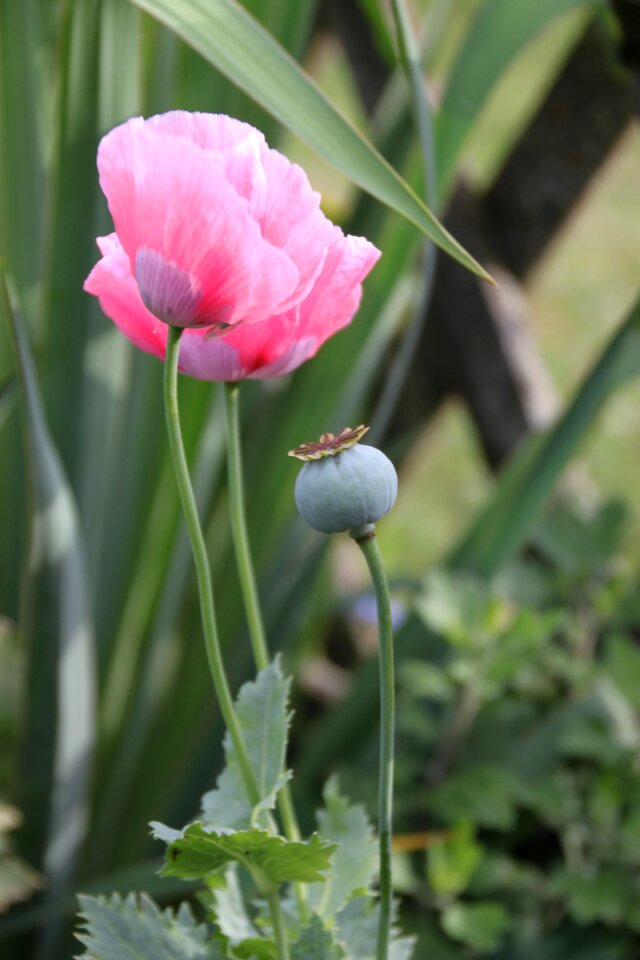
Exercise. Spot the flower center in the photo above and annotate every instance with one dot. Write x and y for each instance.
(166, 290)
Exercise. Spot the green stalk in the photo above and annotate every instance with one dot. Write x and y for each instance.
(365, 537)
(279, 929)
(209, 625)
(239, 527)
(237, 511)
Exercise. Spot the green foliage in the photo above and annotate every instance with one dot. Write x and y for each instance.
(197, 851)
(261, 709)
(481, 926)
(136, 929)
(523, 724)
(316, 943)
(534, 726)
(357, 925)
(355, 860)
(452, 862)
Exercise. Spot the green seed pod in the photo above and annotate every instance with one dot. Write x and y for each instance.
(342, 485)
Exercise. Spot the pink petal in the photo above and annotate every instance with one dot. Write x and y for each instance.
(290, 216)
(280, 344)
(263, 350)
(279, 193)
(112, 282)
(169, 196)
(210, 131)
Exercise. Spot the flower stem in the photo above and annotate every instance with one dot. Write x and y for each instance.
(366, 539)
(246, 572)
(209, 625)
(239, 527)
(201, 559)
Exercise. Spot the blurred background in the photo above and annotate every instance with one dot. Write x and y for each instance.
(510, 412)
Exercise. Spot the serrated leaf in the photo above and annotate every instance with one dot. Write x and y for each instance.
(228, 910)
(240, 48)
(255, 948)
(261, 709)
(136, 929)
(357, 927)
(200, 851)
(316, 943)
(354, 863)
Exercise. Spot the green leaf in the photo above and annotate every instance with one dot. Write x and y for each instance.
(479, 925)
(457, 606)
(227, 909)
(198, 851)
(261, 709)
(240, 48)
(499, 32)
(622, 661)
(256, 948)
(354, 863)
(609, 894)
(316, 943)
(357, 927)
(483, 794)
(452, 861)
(136, 929)
(530, 477)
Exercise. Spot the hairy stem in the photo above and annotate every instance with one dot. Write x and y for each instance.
(201, 559)
(246, 573)
(279, 930)
(366, 539)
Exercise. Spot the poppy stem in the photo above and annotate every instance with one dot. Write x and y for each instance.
(366, 539)
(279, 929)
(246, 573)
(201, 559)
(209, 624)
(239, 527)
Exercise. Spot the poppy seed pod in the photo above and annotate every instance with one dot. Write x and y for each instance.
(343, 485)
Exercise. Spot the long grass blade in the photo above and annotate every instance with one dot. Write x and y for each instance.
(527, 482)
(239, 47)
(60, 731)
(501, 29)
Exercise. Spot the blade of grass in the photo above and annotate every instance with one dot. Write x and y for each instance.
(410, 61)
(529, 479)
(21, 168)
(242, 50)
(70, 218)
(500, 30)
(59, 737)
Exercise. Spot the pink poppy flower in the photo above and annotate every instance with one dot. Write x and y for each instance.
(221, 235)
